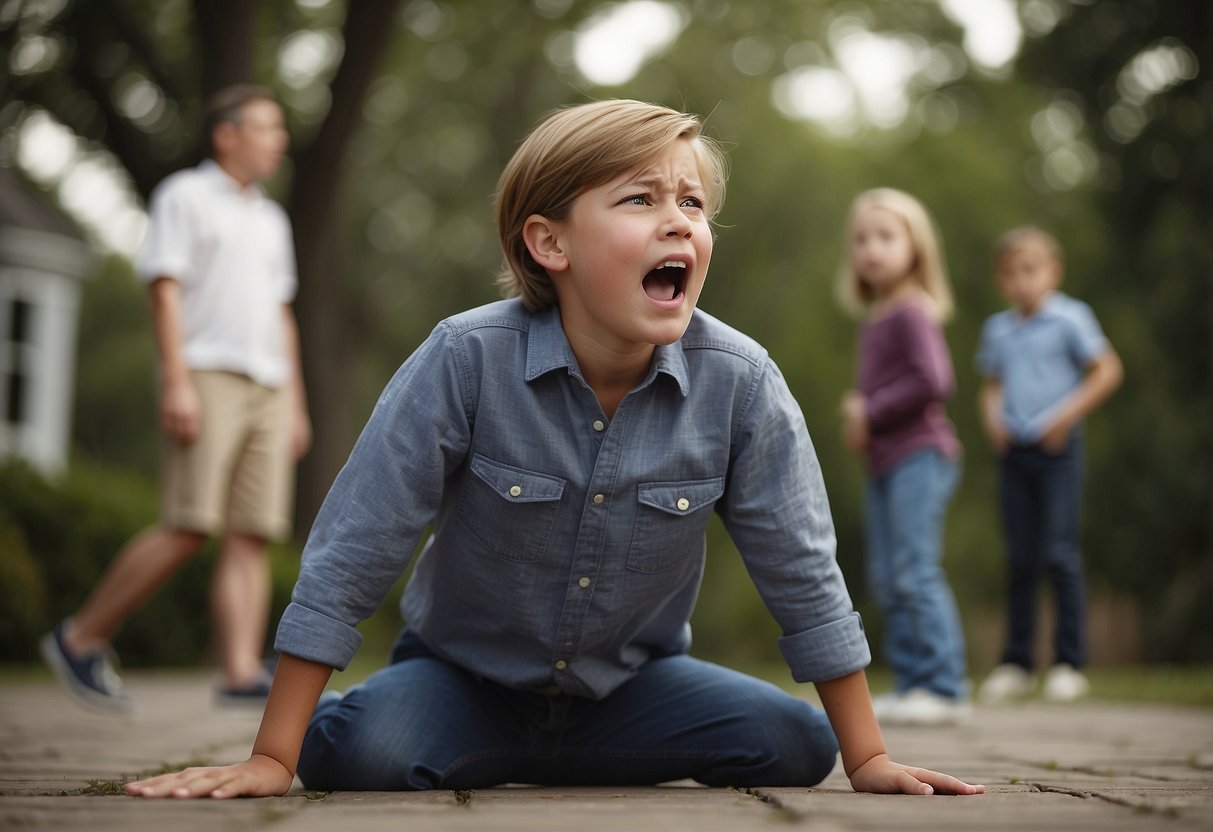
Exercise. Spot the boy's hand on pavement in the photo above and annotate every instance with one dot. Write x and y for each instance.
(258, 776)
(880, 775)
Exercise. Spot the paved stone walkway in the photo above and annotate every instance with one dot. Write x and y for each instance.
(1095, 766)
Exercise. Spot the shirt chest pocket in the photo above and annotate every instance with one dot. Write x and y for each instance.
(508, 510)
(671, 519)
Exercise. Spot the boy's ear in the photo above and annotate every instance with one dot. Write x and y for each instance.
(540, 235)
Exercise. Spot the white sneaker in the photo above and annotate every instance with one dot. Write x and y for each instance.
(885, 704)
(919, 706)
(1006, 683)
(1063, 683)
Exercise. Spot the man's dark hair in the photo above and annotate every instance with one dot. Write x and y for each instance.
(225, 106)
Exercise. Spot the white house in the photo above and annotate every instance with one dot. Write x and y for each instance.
(43, 260)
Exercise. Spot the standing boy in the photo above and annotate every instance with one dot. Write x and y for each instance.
(566, 450)
(220, 265)
(1047, 365)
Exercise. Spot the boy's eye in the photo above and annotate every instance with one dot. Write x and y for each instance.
(692, 202)
(635, 199)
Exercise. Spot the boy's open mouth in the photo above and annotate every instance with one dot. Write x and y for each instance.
(665, 281)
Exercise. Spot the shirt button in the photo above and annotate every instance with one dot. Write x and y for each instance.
(598, 425)
(562, 664)
(583, 582)
(599, 499)
(683, 503)
(515, 490)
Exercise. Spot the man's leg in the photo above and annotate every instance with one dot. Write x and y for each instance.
(258, 510)
(240, 604)
(140, 568)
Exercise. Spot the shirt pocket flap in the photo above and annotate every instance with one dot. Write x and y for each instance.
(680, 498)
(516, 485)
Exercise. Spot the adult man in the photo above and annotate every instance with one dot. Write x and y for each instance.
(219, 261)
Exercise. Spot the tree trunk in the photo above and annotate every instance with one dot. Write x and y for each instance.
(314, 205)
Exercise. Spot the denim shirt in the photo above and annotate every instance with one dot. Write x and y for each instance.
(565, 550)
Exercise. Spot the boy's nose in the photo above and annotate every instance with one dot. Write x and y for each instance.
(677, 224)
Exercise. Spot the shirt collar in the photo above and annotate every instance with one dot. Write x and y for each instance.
(548, 349)
(222, 179)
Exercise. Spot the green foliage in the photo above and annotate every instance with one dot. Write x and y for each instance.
(56, 537)
(114, 416)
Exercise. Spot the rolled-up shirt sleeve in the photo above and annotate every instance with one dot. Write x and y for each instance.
(385, 496)
(776, 510)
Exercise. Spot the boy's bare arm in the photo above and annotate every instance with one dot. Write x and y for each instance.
(990, 404)
(1103, 377)
(271, 767)
(864, 758)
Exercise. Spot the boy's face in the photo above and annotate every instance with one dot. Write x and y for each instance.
(252, 149)
(1026, 276)
(634, 254)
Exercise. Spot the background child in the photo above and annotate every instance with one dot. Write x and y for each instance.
(893, 274)
(567, 449)
(1047, 365)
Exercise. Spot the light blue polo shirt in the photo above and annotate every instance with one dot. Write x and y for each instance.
(1039, 360)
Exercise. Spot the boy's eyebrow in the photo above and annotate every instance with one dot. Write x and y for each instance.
(654, 180)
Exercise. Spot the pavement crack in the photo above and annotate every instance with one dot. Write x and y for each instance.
(782, 810)
(1085, 794)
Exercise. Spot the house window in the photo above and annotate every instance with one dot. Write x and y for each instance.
(16, 377)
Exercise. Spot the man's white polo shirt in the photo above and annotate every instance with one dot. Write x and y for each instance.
(231, 251)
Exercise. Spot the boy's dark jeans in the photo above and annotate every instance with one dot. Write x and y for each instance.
(1041, 496)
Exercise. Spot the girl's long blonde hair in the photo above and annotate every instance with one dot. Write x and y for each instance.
(929, 270)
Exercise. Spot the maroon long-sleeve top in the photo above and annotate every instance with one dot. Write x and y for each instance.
(905, 376)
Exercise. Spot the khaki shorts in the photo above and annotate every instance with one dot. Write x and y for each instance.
(238, 475)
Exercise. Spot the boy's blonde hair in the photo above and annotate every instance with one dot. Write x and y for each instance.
(929, 270)
(1024, 235)
(578, 148)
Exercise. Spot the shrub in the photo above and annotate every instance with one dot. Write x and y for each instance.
(57, 537)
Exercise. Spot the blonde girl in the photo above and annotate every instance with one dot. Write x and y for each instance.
(894, 279)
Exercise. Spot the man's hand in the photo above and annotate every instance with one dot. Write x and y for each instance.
(880, 775)
(180, 411)
(258, 776)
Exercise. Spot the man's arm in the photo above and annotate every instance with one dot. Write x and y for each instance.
(1104, 375)
(301, 423)
(180, 407)
(865, 760)
(270, 769)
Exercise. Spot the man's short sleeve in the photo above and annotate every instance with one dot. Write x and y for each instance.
(288, 271)
(166, 248)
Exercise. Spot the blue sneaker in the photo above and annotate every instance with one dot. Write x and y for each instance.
(250, 697)
(91, 678)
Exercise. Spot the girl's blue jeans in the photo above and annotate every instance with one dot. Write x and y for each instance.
(423, 723)
(1041, 497)
(905, 511)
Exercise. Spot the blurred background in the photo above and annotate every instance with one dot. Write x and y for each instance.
(1092, 119)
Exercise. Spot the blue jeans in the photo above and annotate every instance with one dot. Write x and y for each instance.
(423, 723)
(923, 639)
(1041, 495)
